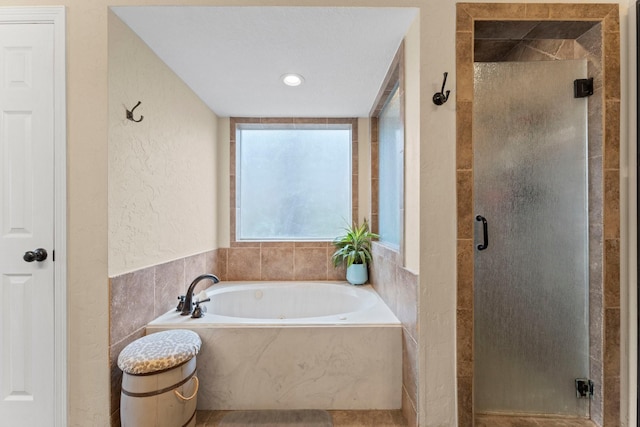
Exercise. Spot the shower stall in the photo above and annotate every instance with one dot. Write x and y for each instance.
(531, 256)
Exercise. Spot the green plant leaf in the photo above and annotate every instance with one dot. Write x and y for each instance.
(354, 247)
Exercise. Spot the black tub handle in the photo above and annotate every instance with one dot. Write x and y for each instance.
(485, 233)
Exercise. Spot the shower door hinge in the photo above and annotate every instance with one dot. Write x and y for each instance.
(584, 388)
(582, 87)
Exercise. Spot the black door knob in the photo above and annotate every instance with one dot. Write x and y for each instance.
(37, 255)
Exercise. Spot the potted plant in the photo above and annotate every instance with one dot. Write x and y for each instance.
(354, 251)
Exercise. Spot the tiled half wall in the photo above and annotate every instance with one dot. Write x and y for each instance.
(138, 297)
(398, 287)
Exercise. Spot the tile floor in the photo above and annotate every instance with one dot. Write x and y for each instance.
(506, 421)
(395, 419)
(340, 418)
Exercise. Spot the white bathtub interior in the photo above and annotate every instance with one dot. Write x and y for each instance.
(293, 345)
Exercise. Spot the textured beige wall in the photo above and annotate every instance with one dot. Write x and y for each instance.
(87, 116)
(412, 148)
(162, 170)
(224, 189)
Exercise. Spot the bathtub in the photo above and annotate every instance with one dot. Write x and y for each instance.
(295, 345)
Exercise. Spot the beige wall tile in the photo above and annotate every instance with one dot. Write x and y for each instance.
(310, 263)
(579, 11)
(170, 282)
(277, 263)
(464, 142)
(612, 273)
(407, 301)
(131, 305)
(612, 66)
(115, 372)
(464, 66)
(495, 11)
(464, 191)
(611, 343)
(612, 135)
(243, 264)
(537, 11)
(464, 22)
(612, 402)
(464, 336)
(465, 273)
(611, 204)
(465, 402)
(410, 367)
(612, 20)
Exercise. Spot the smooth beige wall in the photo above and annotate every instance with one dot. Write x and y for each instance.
(162, 170)
(88, 122)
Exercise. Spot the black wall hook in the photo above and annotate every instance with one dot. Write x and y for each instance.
(130, 114)
(441, 97)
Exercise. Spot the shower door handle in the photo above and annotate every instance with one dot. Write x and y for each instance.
(485, 233)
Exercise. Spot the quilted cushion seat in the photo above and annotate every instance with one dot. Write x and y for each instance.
(159, 351)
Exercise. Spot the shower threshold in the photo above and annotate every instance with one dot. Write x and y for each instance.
(530, 421)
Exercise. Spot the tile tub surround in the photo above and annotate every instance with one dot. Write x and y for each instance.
(398, 287)
(138, 297)
(601, 47)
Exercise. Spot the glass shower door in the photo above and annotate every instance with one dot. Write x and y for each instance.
(531, 336)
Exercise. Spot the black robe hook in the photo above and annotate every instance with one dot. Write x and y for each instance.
(441, 97)
(130, 114)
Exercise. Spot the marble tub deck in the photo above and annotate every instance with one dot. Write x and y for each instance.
(343, 367)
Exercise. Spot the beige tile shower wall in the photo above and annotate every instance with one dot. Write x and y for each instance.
(398, 287)
(154, 216)
(138, 297)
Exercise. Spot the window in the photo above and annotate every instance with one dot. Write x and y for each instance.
(390, 170)
(293, 182)
(387, 153)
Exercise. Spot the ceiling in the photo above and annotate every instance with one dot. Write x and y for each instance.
(233, 57)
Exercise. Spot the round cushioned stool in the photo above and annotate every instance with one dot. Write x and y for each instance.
(159, 383)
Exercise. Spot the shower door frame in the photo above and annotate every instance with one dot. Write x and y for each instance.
(605, 297)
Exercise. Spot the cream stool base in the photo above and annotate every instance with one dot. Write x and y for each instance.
(166, 409)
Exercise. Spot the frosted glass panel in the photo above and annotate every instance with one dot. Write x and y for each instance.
(293, 184)
(531, 288)
(390, 170)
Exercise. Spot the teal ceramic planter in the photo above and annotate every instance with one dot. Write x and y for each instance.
(357, 274)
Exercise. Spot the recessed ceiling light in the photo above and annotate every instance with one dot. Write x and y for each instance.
(292, 79)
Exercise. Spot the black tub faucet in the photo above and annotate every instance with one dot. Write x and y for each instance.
(187, 307)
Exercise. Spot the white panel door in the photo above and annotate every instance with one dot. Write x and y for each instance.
(27, 224)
